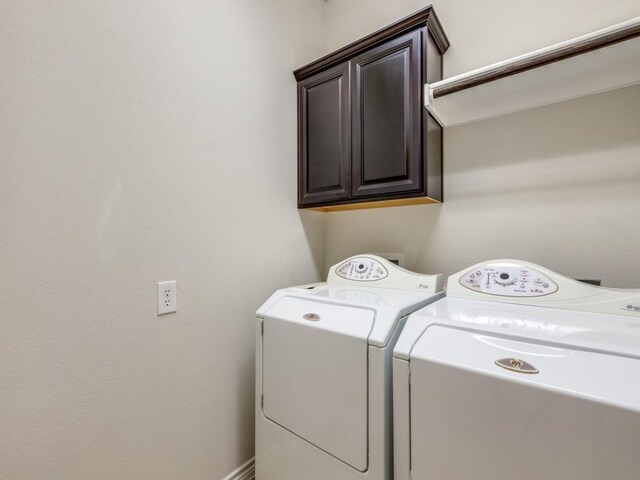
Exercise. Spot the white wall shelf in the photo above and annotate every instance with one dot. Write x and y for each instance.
(596, 62)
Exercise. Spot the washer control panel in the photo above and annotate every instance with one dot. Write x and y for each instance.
(362, 269)
(509, 280)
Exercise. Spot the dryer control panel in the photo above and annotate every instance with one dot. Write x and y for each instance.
(375, 271)
(510, 280)
(362, 268)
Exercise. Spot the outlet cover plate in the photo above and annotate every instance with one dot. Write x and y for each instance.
(167, 298)
(397, 258)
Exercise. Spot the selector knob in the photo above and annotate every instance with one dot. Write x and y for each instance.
(505, 279)
(361, 267)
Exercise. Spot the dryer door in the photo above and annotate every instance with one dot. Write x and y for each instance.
(578, 418)
(315, 374)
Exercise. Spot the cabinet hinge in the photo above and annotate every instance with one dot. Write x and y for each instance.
(262, 328)
(262, 402)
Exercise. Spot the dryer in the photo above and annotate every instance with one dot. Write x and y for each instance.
(519, 373)
(323, 371)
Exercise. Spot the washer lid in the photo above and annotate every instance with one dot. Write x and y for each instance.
(597, 377)
(315, 371)
(577, 418)
(617, 334)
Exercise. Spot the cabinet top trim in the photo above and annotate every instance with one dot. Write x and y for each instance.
(426, 16)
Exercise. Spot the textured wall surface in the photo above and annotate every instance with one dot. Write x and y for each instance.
(481, 32)
(143, 141)
(556, 185)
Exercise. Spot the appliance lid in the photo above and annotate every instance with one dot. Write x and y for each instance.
(598, 377)
(617, 334)
(347, 320)
(388, 307)
(517, 409)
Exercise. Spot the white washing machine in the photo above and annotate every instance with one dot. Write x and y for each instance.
(519, 373)
(323, 371)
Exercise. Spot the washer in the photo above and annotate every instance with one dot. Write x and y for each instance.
(519, 373)
(323, 363)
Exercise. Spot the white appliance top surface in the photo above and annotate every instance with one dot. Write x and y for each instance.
(388, 305)
(605, 333)
(574, 371)
(369, 282)
(371, 297)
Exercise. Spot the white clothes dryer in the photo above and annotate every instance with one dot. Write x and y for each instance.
(323, 371)
(519, 373)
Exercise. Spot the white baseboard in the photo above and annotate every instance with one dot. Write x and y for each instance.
(245, 472)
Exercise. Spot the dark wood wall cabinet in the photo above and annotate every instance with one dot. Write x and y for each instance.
(364, 138)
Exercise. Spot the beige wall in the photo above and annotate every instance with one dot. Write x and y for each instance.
(557, 185)
(143, 141)
(481, 32)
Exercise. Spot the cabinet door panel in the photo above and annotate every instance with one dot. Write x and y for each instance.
(325, 136)
(387, 118)
(383, 103)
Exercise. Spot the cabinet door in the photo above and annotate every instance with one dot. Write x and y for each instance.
(385, 84)
(324, 137)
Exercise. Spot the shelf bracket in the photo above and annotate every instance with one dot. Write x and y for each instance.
(429, 103)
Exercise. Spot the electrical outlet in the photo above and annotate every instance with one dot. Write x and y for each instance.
(397, 258)
(167, 299)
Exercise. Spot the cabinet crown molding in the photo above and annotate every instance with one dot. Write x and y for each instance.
(427, 16)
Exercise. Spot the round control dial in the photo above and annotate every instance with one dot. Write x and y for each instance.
(505, 279)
